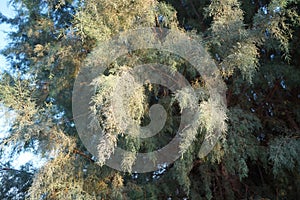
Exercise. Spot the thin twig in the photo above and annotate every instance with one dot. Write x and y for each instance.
(16, 170)
(77, 151)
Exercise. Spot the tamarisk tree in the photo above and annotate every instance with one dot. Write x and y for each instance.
(254, 45)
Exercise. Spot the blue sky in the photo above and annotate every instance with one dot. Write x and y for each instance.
(6, 118)
(6, 10)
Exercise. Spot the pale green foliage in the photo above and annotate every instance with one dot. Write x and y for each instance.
(105, 86)
(236, 46)
(189, 134)
(129, 101)
(242, 143)
(104, 19)
(237, 59)
(52, 45)
(284, 154)
(31, 122)
(101, 19)
(227, 27)
(119, 104)
(128, 161)
(213, 120)
(186, 98)
(106, 147)
(225, 11)
(15, 95)
(213, 116)
(277, 22)
(65, 177)
(188, 102)
(183, 168)
(166, 15)
(58, 179)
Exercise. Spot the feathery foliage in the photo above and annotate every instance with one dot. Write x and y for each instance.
(254, 45)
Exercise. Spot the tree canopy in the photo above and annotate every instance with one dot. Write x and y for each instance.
(253, 44)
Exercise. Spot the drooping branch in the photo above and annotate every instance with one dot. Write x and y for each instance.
(15, 170)
(77, 151)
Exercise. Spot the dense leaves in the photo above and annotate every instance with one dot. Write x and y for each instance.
(253, 43)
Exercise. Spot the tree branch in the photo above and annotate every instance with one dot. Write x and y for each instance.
(77, 151)
(15, 170)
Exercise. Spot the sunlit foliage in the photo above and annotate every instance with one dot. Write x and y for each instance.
(255, 45)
